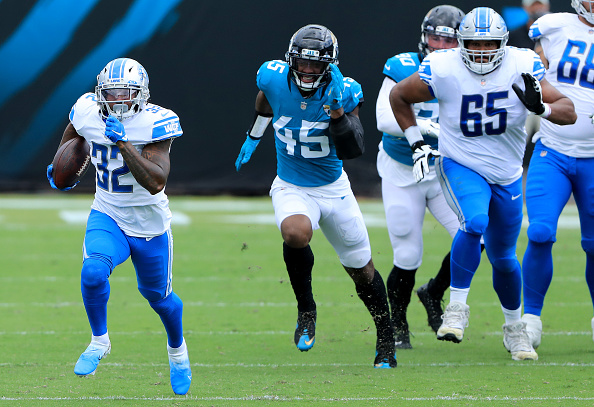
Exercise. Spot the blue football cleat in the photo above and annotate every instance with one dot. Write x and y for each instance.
(180, 372)
(89, 360)
(384, 361)
(305, 332)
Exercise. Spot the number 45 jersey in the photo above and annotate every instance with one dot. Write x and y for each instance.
(568, 45)
(481, 118)
(305, 153)
(115, 183)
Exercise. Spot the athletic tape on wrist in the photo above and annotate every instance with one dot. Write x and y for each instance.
(259, 126)
(413, 134)
(547, 111)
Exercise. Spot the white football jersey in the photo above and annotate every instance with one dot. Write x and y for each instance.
(481, 117)
(118, 194)
(568, 45)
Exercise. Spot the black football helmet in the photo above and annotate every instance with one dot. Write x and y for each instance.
(441, 20)
(312, 42)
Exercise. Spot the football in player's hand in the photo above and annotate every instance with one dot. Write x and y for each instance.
(71, 162)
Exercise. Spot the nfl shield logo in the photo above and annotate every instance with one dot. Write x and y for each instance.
(303, 105)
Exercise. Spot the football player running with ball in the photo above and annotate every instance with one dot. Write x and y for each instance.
(130, 217)
(314, 111)
(404, 199)
(563, 158)
(485, 91)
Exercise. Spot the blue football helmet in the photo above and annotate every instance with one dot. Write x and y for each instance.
(122, 88)
(482, 24)
(585, 11)
(314, 43)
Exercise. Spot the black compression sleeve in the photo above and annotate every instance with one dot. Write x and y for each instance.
(347, 134)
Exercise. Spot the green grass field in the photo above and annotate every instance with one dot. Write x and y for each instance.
(239, 317)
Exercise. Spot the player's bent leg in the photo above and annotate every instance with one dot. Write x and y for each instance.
(170, 310)
(507, 282)
(399, 285)
(372, 291)
(95, 291)
(537, 266)
(299, 263)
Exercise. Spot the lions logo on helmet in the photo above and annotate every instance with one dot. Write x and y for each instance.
(482, 24)
(122, 88)
(314, 43)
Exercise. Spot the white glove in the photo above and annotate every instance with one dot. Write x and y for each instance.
(428, 127)
(421, 154)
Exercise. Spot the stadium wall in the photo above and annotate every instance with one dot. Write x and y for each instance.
(202, 58)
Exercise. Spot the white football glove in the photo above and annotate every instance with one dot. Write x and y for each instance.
(421, 154)
(428, 127)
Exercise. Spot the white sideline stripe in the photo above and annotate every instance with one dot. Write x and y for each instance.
(308, 399)
(80, 217)
(277, 365)
(260, 333)
(354, 304)
(186, 304)
(337, 278)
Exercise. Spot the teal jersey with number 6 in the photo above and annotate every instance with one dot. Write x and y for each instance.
(305, 153)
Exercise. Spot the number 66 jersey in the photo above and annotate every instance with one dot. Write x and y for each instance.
(117, 191)
(568, 45)
(481, 118)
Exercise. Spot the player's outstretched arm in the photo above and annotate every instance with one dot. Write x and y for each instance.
(262, 119)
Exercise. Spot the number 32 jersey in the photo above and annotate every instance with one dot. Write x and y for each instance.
(481, 117)
(305, 153)
(568, 45)
(117, 192)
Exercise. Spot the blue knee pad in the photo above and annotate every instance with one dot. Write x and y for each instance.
(477, 224)
(541, 233)
(95, 272)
